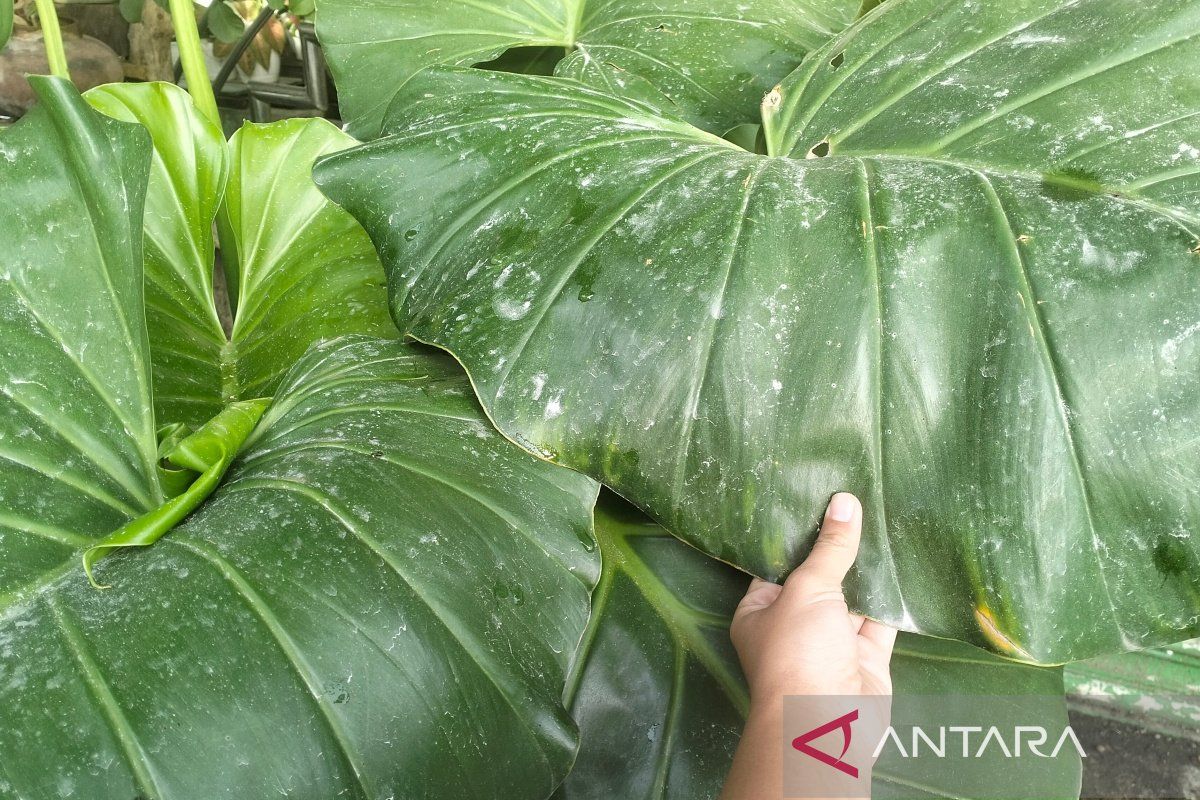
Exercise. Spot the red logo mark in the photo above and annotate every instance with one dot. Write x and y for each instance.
(842, 722)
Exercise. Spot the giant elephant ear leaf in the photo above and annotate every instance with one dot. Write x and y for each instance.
(77, 437)
(656, 666)
(714, 59)
(381, 597)
(303, 269)
(989, 332)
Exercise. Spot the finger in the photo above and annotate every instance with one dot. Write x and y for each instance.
(835, 549)
(759, 595)
(881, 636)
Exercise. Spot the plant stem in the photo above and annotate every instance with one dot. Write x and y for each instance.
(183, 19)
(195, 71)
(52, 38)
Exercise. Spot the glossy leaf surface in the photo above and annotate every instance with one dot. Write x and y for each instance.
(714, 59)
(661, 702)
(655, 686)
(383, 590)
(306, 271)
(187, 181)
(303, 271)
(77, 438)
(380, 599)
(1000, 357)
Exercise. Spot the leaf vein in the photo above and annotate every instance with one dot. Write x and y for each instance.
(1053, 372)
(345, 520)
(110, 709)
(287, 647)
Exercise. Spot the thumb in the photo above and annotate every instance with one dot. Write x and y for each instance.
(759, 595)
(835, 549)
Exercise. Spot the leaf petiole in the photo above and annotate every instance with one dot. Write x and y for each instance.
(187, 36)
(52, 39)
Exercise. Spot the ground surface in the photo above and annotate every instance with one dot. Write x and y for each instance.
(1128, 761)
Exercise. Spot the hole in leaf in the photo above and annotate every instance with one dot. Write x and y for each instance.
(837, 60)
(819, 150)
(526, 60)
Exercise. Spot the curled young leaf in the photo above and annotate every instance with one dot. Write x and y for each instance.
(206, 454)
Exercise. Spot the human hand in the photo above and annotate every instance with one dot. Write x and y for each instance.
(800, 638)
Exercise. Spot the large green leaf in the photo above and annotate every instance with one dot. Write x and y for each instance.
(187, 180)
(303, 271)
(714, 58)
(655, 686)
(77, 439)
(379, 600)
(1001, 359)
(656, 668)
(306, 270)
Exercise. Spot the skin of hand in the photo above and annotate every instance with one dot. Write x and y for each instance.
(801, 639)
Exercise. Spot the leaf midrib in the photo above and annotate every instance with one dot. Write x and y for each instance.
(678, 617)
(98, 686)
(342, 516)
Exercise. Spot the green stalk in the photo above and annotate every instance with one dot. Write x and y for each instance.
(6, 21)
(52, 38)
(187, 36)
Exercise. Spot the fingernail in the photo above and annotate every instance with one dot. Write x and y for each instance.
(841, 507)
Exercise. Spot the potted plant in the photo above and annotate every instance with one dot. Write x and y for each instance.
(228, 21)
